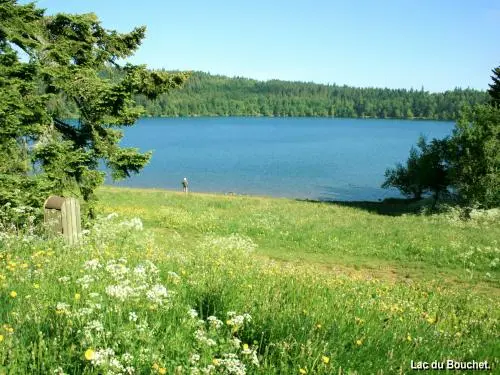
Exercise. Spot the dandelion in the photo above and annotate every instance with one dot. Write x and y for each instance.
(162, 370)
(359, 342)
(89, 354)
(325, 359)
(77, 296)
(13, 294)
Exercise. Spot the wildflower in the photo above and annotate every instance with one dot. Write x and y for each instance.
(13, 294)
(359, 342)
(132, 316)
(36, 286)
(127, 357)
(214, 322)
(325, 359)
(162, 370)
(246, 349)
(302, 371)
(89, 354)
(62, 308)
(431, 320)
(157, 294)
(408, 337)
(77, 296)
(193, 313)
(1, 338)
(318, 326)
(216, 362)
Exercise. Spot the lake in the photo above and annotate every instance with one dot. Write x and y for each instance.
(308, 158)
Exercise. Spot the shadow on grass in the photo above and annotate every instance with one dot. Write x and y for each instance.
(388, 207)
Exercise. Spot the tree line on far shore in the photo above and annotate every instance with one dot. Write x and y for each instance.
(215, 95)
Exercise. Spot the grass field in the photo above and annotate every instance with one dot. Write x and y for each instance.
(233, 285)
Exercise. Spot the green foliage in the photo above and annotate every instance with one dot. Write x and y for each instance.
(425, 170)
(211, 95)
(475, 156)
(494, 90)
(468, 161)
(62, 74)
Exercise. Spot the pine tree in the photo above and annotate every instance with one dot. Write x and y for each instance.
(494, 90)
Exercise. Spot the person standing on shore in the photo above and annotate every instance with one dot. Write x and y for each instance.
(185, 185)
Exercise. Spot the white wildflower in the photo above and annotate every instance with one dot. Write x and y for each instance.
(120, 291)
(194, 358)
(236, 342)
(63, 279)
(111, 216)
(85, 281)
(214, 322)
(132, 316)
(157, 294)
(92, 264)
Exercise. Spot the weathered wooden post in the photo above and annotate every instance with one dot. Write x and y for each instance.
(62, 216)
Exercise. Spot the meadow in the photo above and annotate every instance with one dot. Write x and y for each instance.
(167, 283)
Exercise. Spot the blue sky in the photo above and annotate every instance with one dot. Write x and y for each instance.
(437, 44)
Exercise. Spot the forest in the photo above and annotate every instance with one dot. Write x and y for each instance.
(215, 95)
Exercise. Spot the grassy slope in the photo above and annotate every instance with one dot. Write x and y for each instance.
(318, 310)
(332, 236)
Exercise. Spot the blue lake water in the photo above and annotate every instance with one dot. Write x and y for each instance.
(313, 158)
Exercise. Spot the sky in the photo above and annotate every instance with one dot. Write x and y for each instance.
(435, 44)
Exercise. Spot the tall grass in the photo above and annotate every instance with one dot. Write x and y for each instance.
(151, 298)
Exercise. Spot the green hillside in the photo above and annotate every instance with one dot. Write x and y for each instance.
(215, 95)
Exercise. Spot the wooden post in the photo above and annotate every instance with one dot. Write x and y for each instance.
(62, 216)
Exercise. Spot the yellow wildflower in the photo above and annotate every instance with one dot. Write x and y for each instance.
(318, 326)
(408, 337)
(1, 338)
(302, 371)
(89, 354)
(359, 342)
(13, 294)
(245, 346)
(162, 370)
(77, 296)
(215, 362)
(36, 286)
(325, 359)
(431, 320)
